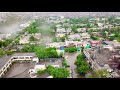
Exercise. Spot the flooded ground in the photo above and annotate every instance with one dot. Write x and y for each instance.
(52, 61)
(71, 60)
(19, 70)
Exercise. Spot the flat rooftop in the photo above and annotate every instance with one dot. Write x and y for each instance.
(6, 58)
(19, 70)
(24, 54)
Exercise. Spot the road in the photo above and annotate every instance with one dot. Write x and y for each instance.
(71, 60)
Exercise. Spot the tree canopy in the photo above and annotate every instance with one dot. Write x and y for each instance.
(58, 72)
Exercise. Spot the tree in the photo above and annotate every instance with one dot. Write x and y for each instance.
(82, 66)
(17, 40)
(41, 53)
(62, 38)
(82, 69)
(100, 74)
(64, 63)
(41, 72)
(32, 38)
(70, 49)
(1, 52)
(74, 29)
(61, 54)
(80, 56)
(94, 37)
(9, 52)
(54, 39)
(58, 72)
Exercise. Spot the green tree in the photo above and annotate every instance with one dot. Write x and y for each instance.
(9, 52)
(32, 38)
(74, 29)
(80, 56)
(82, 69)
(1, 52)
(41, 72)
(62, 38)
(54, 39)
(58, 72)
(64, 63)
(70, 49)
(61, 54)
(100, 74)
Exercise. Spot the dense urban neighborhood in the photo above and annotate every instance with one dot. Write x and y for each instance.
(62, 47)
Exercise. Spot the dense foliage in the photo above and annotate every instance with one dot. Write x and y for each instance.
(4, 43)
(32, 38)
(43, 53)
(70, 49)
(82, 66)
(64, 63)
(41, 72)
(100, 74)
(62, 38)
(58, 72)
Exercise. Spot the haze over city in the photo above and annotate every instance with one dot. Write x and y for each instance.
(59, 44)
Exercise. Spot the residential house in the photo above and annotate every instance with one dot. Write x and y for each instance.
(74, 37)
(58, 35)
(37, 35)
(81, 29)
(68, 30)
(94, 43)
(100, 24)
(85, 36)
(61, 30)
(24, 39)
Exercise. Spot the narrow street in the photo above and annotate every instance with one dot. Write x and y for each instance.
(71, 60)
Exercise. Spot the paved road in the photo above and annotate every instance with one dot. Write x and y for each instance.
(71, 60)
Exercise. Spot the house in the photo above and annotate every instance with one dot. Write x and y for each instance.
(96, 34)
(100, 24)
(74, 36)
(37, 35)
(70, 43)
(85, 36)
(24, 39)
(55, 44)
(2, 36)
(58, 35)
(61, 30)
(81, 29)
(93, 42)
(68, 30)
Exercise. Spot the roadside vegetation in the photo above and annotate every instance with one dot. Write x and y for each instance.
(82, 66)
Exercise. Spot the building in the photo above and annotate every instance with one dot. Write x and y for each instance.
(74, 37)
(85, 36)
(58, 35)
(94, 43)
(68, 30)
(24, 39)
(37, 35)
(81, 29)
